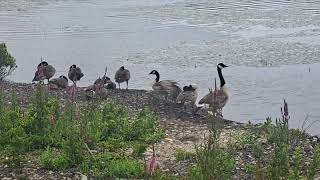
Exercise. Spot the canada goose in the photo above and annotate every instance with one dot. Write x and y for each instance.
(75, 74)
(218, 98)
(122, 75)
(188, 96)
(44, 71)
(167, 87)
(108, 84)
(60, 82)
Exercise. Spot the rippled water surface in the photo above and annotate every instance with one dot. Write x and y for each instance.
(270, 46)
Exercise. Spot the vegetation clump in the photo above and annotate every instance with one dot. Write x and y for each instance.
(95, 139)
(7, 62)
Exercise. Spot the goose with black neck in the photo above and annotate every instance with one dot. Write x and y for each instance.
(218, 98)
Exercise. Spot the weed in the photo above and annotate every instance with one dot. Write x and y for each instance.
(182, 155)
(51, 159)
(213, 162)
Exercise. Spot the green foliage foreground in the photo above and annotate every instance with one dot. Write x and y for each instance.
(97, 139)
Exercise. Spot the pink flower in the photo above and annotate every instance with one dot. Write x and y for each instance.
(152, 165)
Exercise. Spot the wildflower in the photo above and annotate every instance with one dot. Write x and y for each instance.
(152, 165)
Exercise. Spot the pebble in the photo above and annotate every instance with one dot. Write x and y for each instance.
(84, 177)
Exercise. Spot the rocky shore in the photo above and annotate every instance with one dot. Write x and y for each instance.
(183, 130)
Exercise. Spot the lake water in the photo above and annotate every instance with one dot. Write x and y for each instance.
(270, 46)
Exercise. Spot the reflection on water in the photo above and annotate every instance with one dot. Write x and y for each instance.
(269, 45)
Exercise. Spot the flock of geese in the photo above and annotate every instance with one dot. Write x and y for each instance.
(216, 99)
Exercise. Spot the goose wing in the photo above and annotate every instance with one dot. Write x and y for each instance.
(49, 71)
(75, 74)
(207, 99)
(165, 85)
(217, 99)
(79, 73)
(122, 75)
(187, 96)
(60, 82)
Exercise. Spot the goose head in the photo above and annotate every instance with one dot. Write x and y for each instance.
(221, 66)
(154, 72)
(122, 68)
(193, 87)
(73, 66)
(43, 63)
(64, 77)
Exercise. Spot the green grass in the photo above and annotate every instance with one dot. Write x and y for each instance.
(182, 155)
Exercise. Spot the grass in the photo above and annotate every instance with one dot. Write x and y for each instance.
(182, 155)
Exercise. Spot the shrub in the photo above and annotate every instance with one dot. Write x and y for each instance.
(7, 62)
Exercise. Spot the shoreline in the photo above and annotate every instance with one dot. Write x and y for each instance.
(131, 99)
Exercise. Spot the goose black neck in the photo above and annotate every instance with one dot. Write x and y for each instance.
(158, 76)
(222, 82)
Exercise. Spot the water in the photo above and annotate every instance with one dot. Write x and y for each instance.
(269, 45)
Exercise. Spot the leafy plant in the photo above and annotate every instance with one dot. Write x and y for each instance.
(7, 62)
